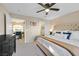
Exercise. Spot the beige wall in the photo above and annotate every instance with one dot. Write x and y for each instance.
(8, 21)
(67, 22)
(47, 27)
(1, 22)
(68, 18)
(32, 31)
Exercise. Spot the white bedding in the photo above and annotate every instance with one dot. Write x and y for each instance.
(53, 48)
(74, 42)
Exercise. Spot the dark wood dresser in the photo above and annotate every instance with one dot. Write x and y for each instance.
(7, 45)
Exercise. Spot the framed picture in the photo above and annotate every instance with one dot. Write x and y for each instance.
(32, 23)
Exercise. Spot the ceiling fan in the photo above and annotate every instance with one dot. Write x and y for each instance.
(47, 7)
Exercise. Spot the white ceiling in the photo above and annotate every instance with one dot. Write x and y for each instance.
(30, 9)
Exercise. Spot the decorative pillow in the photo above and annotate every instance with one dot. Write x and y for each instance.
(67, 35)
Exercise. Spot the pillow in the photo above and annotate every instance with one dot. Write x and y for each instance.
(64, 36)
(75, 35)
(58, 32)
(59, 36)
(67, 35)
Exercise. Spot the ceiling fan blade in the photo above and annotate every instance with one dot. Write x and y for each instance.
(52, 4)
(55, 9)
(46, 13)
(41, 5)
(40, 11)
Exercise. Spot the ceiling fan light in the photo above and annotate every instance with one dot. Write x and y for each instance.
(47, 10)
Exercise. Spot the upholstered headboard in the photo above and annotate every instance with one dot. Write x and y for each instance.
(72, 27)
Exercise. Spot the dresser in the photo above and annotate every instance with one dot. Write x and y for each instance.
(7, 45)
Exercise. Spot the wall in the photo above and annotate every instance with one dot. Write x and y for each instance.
(31, 31)
(47, 27)
(1, 22)
(8, 21)
(67, 22)
(8, 24)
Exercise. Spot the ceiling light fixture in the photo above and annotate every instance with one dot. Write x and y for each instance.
(47, 10)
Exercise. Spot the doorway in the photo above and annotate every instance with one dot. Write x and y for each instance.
(18, 29)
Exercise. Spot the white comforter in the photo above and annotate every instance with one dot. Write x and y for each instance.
(53, 48)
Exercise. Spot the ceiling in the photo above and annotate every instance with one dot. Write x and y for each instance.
(30, 9)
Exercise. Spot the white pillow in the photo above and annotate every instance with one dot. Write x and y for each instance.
(61, 36)
(74, 35)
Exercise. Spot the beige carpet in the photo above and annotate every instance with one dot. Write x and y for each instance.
(27, 49)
